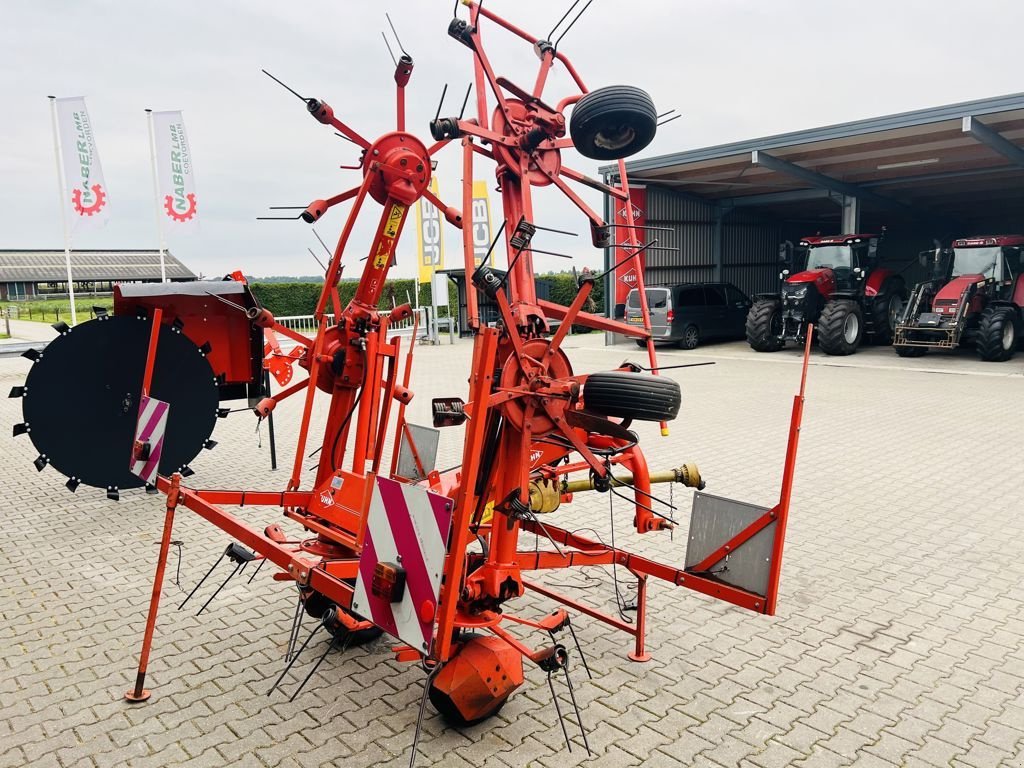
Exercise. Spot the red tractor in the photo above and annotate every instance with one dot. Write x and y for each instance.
(834, 282)
(976, 297)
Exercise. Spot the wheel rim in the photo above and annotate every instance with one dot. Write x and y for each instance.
(615, 137)
(851, 328)
(690, 339)
(895, 310)
(1009, 335)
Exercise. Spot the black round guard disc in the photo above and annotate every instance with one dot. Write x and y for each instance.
(82, 399)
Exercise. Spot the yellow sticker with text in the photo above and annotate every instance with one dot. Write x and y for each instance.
(394, 220)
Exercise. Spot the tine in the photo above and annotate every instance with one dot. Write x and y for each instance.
(575, 706)
(296, 656)
(197, 586)
(224, 584)
(419, 717)
(583, 657)
(330, 646)
(558, 710)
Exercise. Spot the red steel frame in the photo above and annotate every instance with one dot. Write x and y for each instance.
(516, 373)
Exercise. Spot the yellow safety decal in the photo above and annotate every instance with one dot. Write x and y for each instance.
(394, 220)
(380, 261)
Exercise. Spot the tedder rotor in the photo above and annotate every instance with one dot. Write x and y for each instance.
(431, 558)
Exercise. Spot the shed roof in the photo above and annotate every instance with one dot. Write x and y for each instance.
(114, 265)
(958, 159)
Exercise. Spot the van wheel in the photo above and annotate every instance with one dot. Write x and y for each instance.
(691, 338)
(642, 343)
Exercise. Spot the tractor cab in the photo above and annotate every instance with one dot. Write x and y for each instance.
(996, 260)
(835, 263)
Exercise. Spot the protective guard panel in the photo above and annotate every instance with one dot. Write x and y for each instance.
(424, 441)
(714, 521)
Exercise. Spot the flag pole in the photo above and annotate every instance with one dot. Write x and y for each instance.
(62, 198)
(156, 196)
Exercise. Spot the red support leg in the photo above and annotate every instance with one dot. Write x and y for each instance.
(639, 652)
(139, 692)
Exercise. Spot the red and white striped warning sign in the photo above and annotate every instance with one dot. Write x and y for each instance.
(407, 527)
(149, 438)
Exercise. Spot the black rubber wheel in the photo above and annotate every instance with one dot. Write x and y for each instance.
(886, 310)
(642, 343)
(911, 351)
(841, 327)
(316, 603)
(691, 338)
(996, 340)
(764, 326)
(613, 122)
(632, 396)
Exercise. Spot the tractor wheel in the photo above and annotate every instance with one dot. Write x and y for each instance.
(841, 327)
(911, 351)
(691, 338)
(886, 310)
(764, 326)
(316, 603)
(996, 340)
(613, 122)
(632, 396)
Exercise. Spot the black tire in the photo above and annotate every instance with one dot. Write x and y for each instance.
(911, 351)
(886, 309)
(613, 122)
(316, 604)
(642, 343)
(632, 396)
(764, 326)
(691, 338)
(996, 340)
(841, 327)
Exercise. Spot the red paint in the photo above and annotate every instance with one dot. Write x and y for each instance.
(876, 280)
(982, 241)
(824, 280)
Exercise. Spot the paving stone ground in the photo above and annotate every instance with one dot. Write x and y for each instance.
(899, 639)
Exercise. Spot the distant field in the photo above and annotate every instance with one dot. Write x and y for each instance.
(52, 310)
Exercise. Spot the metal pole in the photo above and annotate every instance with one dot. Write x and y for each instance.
(156, 196)
(139, 692)
(270, 422)
(62, 197)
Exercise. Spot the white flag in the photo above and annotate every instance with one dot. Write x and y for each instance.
(175, 174)
(87, 192)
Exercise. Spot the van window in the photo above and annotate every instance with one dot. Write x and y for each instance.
(691, 297)
(736, 296)
(716, 295)
(657, 298)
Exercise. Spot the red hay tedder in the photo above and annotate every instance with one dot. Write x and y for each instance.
(431, 558)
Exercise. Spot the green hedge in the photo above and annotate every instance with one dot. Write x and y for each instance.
(284, 299)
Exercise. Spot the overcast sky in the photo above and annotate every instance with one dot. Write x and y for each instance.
(735, 69)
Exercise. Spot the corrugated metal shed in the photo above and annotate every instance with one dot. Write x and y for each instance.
(939, 173)
(39, 266)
